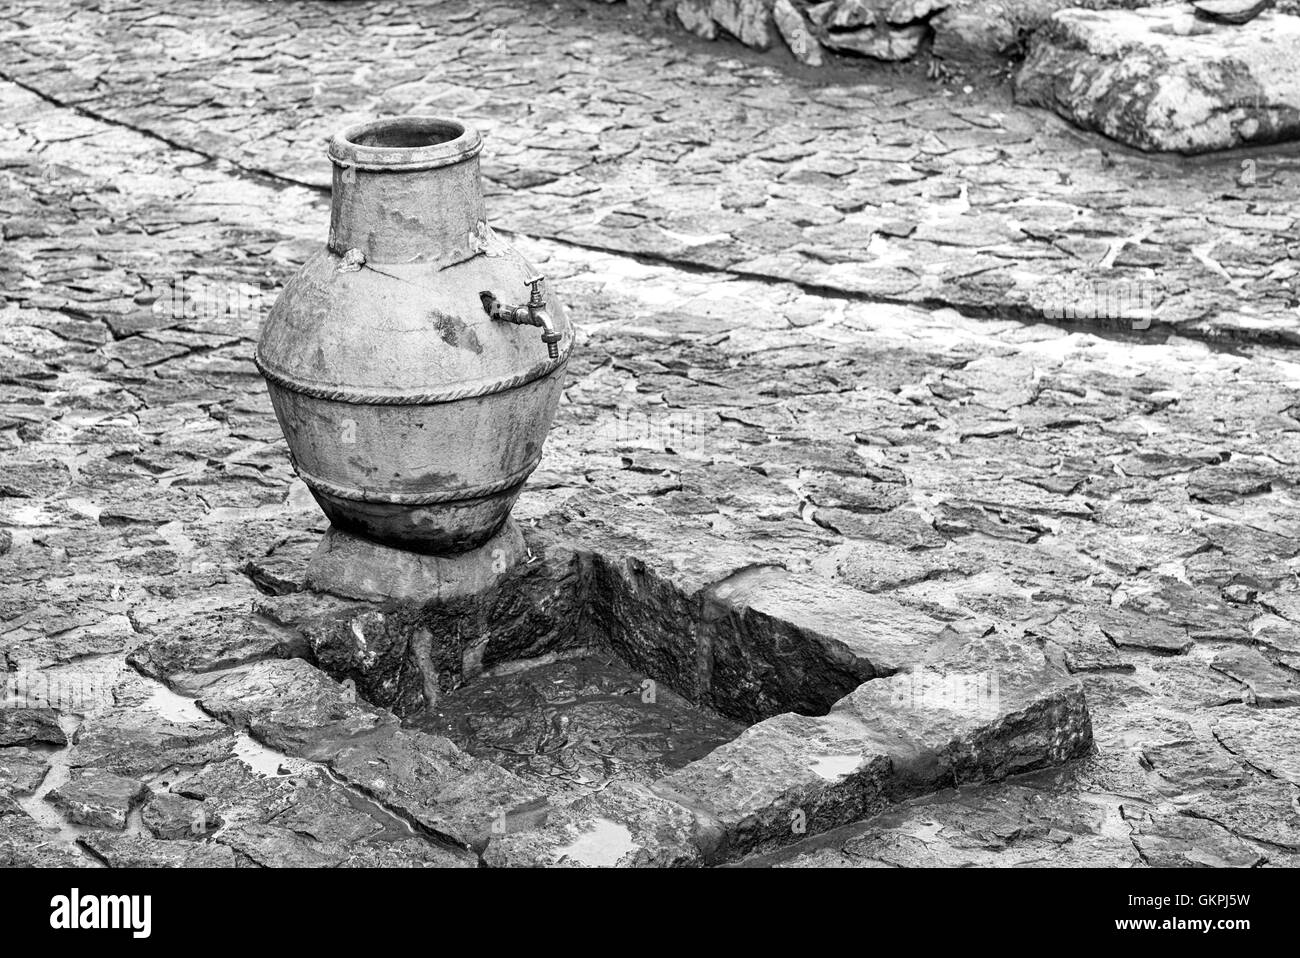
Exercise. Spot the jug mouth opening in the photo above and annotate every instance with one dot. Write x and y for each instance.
(405, 143)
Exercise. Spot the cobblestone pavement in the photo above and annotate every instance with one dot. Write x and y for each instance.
(748, 386)
(609, 138)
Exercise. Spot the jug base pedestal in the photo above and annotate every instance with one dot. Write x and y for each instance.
(356, 568)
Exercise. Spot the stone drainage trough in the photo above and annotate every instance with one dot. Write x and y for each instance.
(602, 708)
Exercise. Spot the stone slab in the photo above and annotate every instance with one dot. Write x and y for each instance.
(30, 727)
(1162, 79)
(436, 784)
(782, 779)
(139, 743)
(357, 568)
(992, 707)
(1267, 739)
(95, 797)
(22, 770)
(289, 705)
(776, 641)
(622, 825)
(141, 851)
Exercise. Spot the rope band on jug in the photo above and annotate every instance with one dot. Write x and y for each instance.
(359, 397)
(418, 498)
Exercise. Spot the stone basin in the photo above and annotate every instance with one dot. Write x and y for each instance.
(592, 709)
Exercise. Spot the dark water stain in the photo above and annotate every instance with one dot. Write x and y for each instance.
(455, 332)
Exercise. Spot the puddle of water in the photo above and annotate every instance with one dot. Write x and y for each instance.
(175, 707)
(84, 507)
(602, 846)
(265, 761)
(178, 708)
(45, 814)
(1112, 823)
(173, 533)
(835, 767)
(31, 514)
(172, 706)
(73, 689)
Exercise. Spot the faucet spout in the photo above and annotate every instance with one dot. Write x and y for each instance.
(532, 313)
(550, 337)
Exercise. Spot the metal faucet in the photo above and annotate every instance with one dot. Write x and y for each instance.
(532, 313)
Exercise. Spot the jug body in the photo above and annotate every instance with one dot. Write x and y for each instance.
(411, 413)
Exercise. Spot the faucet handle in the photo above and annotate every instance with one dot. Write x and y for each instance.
(535, 297)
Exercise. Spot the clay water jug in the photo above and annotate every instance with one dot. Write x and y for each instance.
(415, 362)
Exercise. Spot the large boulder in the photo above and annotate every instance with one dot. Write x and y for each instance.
(883, 29)
(1162, 79)
(866, 27)
(749, 21)
(987, 31)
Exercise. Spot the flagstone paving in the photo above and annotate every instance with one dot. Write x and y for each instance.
(808, 338)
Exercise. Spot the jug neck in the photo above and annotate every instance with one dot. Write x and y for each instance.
(408, 190)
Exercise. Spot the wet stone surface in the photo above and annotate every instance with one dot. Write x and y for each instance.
(810, 339)
(169, 816)
(578, 725)
(139, 851)
(22, 770)
(30, 726)
(97, 797)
